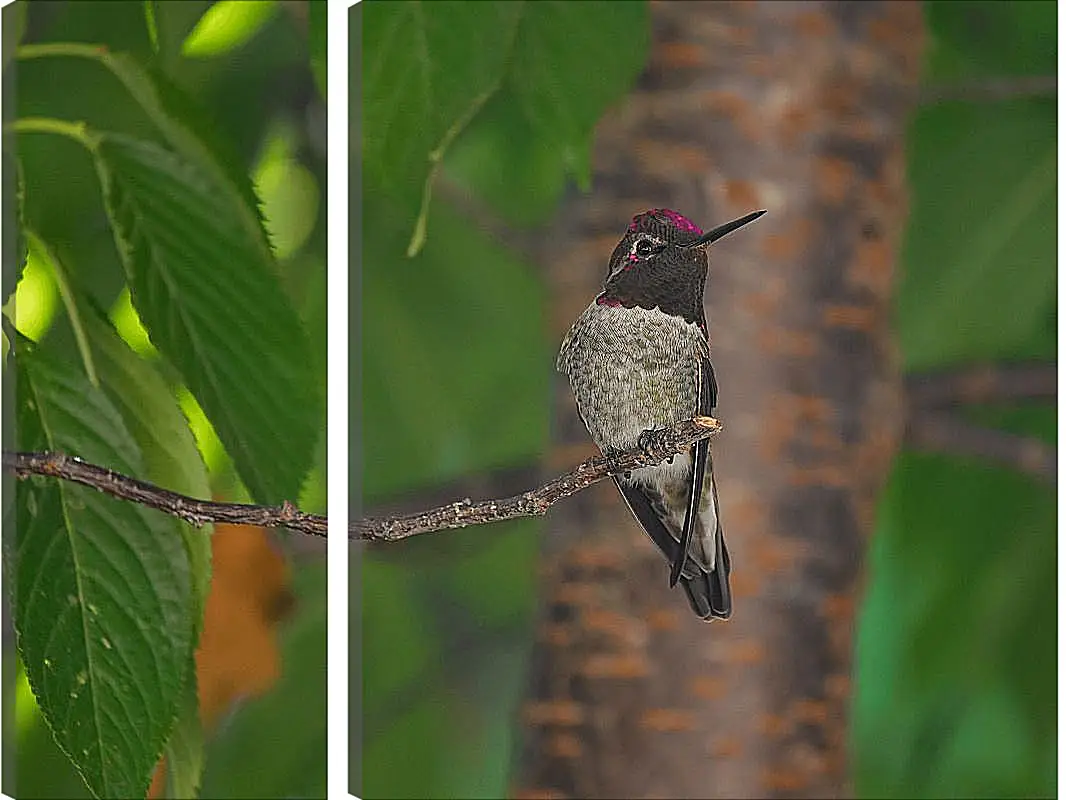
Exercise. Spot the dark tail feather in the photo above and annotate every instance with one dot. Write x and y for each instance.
(708, 594)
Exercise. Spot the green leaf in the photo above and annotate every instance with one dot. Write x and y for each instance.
(183, 125)
(185, 747)
(14, 224)
(156, 422)
(14, 27)
(103, 599)
(180, 121)
(40, 768)
(571, 61)
(430, 68)
(502, 159)
(979, 257)
(213, 305)
(220, 173)
(226, 25)
(290, 198)
(174, 22)
(316, 43)
(171, 460)
(427, 69)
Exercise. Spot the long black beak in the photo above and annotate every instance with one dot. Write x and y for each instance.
(726, 229)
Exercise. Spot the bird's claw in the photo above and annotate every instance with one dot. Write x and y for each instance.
(650, 442)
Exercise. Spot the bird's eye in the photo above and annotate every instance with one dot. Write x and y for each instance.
(644, 247)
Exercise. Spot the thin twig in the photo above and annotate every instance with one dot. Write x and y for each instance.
(490, 482)
(944, 432)
(982, 384)
(932, 427)
(991, 90)
(660, 445)
(195, 512)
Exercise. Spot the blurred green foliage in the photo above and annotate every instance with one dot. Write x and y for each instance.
(956, 662)
(455, 337)
(429, 69)
(956, 668)
(252, 82)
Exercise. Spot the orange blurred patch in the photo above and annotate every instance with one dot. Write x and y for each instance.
(834, 178)
(616, 666)
(610, 623)
(816, 24)
(664, 619)
(726, 747)
(238, 654)
(708, 688)
(741, 194)
(680, 55)
(565, 745)
(746, 652)
(560, 712)
(668, 720)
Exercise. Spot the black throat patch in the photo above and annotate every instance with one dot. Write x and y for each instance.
(651, 267)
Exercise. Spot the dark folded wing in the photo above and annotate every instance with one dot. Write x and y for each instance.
(706, 389)
(718, 577)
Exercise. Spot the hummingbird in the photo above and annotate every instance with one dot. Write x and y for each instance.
(637, 360)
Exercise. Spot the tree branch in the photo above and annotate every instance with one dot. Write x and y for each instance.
(933, 428)
(943, 432)
(982, 383)
(992, 90)
(661, 444)
(195, 512)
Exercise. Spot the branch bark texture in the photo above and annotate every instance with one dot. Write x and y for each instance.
(661, 445)
(195, 512)
(800, 108)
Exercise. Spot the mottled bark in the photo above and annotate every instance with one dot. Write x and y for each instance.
(800, 108)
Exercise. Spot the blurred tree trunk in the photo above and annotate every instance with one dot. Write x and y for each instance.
(800, 108)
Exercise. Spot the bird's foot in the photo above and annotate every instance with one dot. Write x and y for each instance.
(651, 442)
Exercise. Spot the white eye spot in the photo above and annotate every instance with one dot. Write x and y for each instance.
(646, 246)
